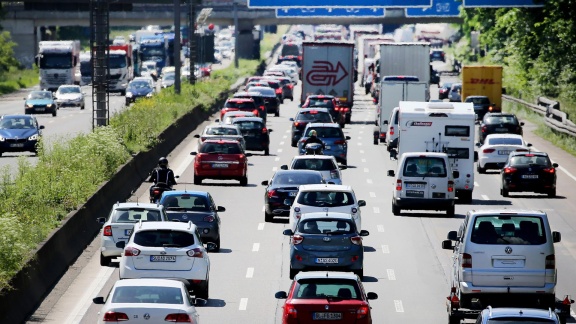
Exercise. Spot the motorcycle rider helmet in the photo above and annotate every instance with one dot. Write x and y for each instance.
(312, 133)
(163, 162)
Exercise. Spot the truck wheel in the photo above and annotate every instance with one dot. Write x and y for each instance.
(277, 113)
(395, 210)
(453, 319)
(267, 152)
(480, 169)
(451, 211)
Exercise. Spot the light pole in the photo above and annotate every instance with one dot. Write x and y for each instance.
(176, 48)
(235, 34)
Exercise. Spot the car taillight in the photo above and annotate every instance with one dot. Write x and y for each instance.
(296, 124)
(490, 108)
(264, 130)
(300, 57)
(398, 185)
(131, 251)
(549, 170)
(509, 170)
(340, 142)
(488, 150)
(551, 262)
(195, 253)
(391, 130)
(278, 91)
(290, 311)
(450, 186)
(178, 318)
(156, 192)
(209, 219)
(114, 317)
(297, 239)
(262, 107)
(291, 86)
(334, 174)
(484, 129)
(362, 312)
(466, 260)
(107, 230)
(356, 240)
(272, 194)
(203, 138)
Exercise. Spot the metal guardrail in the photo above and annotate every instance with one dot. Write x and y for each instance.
(554, 118)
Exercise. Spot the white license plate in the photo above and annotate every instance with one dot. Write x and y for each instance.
(327, 147)
(414, 186)
(327, 260)
(17, 145)
(529, 176)
(127, 232)
(219, 165)
(162, 258)
(292, 194)
(327, 316)
(502, 152)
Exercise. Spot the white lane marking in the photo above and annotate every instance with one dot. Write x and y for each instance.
(360, 132)
(398, 306)
(277, 159)
(285, 136)
(89, 292)
(385, 249)
(372, 194)
(362, 151)
(366, 170)
(261, 226)
(476, 184)
(380, 228)
(485, 197)
(281, 143)
(274, 169)
(362, 127)
(279, 150)
(359, 137)
(363, 160)
(250, 273)
(391, 274)
(243, 304)
(369, 180)
(255, 247)
(376, 210)
(263, 208)
(287, 131)
(359, 144)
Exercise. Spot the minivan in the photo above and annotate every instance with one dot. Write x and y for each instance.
(392, 132)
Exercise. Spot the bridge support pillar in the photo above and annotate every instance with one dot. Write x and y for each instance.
(23, 34)
(248, 43)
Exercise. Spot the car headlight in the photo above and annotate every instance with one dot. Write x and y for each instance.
(2, 139)
(129, 94)
(149, 94)
(48, 106)
(33, 137)
(29, 105)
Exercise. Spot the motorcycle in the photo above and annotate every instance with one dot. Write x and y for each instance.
(313, 149)
(157, 190)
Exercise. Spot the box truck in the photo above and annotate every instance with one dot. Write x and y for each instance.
(483, 80)
(58, 63)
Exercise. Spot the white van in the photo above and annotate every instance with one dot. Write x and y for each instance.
(503, 256)
(424, 181)
(393, 131)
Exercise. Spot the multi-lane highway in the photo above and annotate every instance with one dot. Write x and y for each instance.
(404, 262)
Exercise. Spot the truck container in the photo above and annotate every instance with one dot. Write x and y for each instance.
(366, 53)
(405, 59)
(483, 80)
(328, 68)
(58, 63)
(85, 68)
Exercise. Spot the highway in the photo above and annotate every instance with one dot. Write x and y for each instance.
(404, 262)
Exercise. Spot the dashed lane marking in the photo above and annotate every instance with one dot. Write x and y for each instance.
(380, 228)
(363, 160)
(476, 184)
(369, 180)
(385, 249)
(279, 150)
(366, 170)
(372, 194)
(274, 169)
(281, 143)
(391, 274)
(376, 210)
(398, 306)
(285, 136)
(362, 151)
(261, 226)
(243, 304)
(249, 272)
(255, 247)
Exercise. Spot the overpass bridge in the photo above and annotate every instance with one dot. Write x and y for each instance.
(24, 19)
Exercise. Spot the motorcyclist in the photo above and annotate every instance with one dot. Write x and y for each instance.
(162, 174)
(313, 138)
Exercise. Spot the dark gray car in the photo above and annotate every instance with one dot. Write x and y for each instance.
(481, 105)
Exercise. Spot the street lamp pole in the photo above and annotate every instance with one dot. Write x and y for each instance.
(176, 48)
(235, 34)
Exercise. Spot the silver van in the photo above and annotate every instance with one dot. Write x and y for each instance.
(503, 256)
(393, 131)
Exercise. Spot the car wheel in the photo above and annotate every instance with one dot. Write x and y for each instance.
(480, 169)
(395, 210)
(127, 102)
(203, 291)
(105, 261)
(348, 118)
(277, 113)
(359, 273)
(54, 113)
(375, 141)
(342, 125)
(504, 192)
(293, 273)
(268, 218)
(217, 249)
(453, 319)
(450, 211)
(294, 143)
(267, 152)
(552, 193)
(82, 107)
(244, 181)
(123, 93)
(291, 98)
(197, 180)
(1, 153)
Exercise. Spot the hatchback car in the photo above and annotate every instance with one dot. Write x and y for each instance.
(496, 149)
(119, 224)
(454, 95)
(481, 104)
(282, 188)
(199, 208)
(168, 79)
(437, 55)
(517, 315)
(335, 143)
(239, 104)
(271, 101)
(154, 300)
(444, 90)
(286, 85)
(320, 296)
(40, 102)
(306, 116)
(258, 101)
(324, 164)
(166, 250)
(19, 133)
(138, 89)
(499, 123)
(328, 102)
(528, 171)
(256, 135)
(326, 241)
(70, 96)
(221, 131)
(231, 115)
(221, 159)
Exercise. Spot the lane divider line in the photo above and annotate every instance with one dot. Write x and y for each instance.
(361, 151)
(385, 249)
(391, 274)
(243, 304)
(399, 307)
(250, 273)
(279, 150)
(476, 184)
(372, 194)
(255, 247)
(369, 180)
(376, 210)
(261, 226)
(366, 170)
(363, 160)
(380, 228)
(560, 167)
(277, 159)
(274, 169)
(281, 143)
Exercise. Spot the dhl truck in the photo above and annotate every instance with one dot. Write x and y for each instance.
(483, 80)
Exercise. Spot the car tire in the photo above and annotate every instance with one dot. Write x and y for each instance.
(504, 192)
(105, 261)
(348, 119)
(268, 218)
(342, 125)
(294, 143)
(291, 98)
(54, 113)
(82, 107)
(293, 273)
(197, 180)
(552, 193)
(480, 169)
(453, 319)
(359, 273)
(267, 152)
(203, 293)
(451, 211)
(1, 153)
(244, 181)
(277, 113)
(217, 249)
(395, 210)
(123, 93)
(375, 141)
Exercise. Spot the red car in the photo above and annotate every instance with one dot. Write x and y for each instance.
(321, 297)
(220, 159)
(243, 104)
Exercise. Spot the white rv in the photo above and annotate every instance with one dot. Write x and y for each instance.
(441, 127)
(59, 63)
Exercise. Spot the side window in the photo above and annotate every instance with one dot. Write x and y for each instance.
(198, 237)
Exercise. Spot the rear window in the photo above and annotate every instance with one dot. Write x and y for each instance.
(220, 148)
(274, 85)
(502, 229)
(189, 202)
(325, 288)
(531, 159)
(328, 226)
(505, 141)
(148, 294)
(221, 131)
(314, 164)
(318, 116)
(164, 238)
(520, 319)
(135, 215)
(296, 179)
(240, 105)
(323, 103)
(290, 50)
(501, 120)
(327, 132)
(325, 198)
(401, 78)
(424, 167)
(248, 125)
(479, 101)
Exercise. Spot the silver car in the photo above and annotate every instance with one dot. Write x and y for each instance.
(70, 96)
(516, 315)
(325, 164)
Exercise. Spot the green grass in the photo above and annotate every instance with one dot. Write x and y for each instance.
(17, 79)
(267, 44)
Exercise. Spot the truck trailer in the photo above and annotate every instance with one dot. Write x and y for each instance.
(483, 80)
(58, 63)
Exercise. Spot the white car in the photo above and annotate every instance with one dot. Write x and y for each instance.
(221, 131)
(325, 164)
(291, 64)
(70, 96)
(166, 250)
(149, 68)
(496, 149)
(147, 301)
(147, 79)
(288, 71)
(119, 40)
(326, 197)
(229, 116)
(120, 223)
(393, 130)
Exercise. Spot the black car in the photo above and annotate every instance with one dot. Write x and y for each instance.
(305, 116)
(499, 123)
(282, 189)
(437, 55)
(19, 133)
(271, 101)
(287, 87)
(258, 100)
(529, 172)
(255, 133)
(323, 101)
(444, 90)
(481, 105)
(138, 89)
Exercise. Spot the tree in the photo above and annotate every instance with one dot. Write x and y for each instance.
(7, 59)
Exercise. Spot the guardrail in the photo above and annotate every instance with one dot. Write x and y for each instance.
(554, 118)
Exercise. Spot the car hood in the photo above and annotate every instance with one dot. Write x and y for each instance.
(39, 101)
(141, 91)
(17, 133)
(69, 96)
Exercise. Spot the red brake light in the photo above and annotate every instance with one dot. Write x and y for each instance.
(195, 253)
(131, 251)
(297, 239)
(356, 240)
(362, 312)
(114, 317)
(450, 186)
(296, 124)
(398, 185)
(340, 142)
(107, 230)
(178, 318)
(551, 262)
(256, 112)
(278, 90)
(549, 170)
(488, 150)
(209, 219)
(509, 170)
(272, 194)
(264, 130)
(466, 260)
(391, 130)
(290, 311)
(484, 128)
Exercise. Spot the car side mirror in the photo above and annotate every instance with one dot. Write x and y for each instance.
(391, 173)
(447, 245)
(343, 167)
(456, 174)
(41, 127)
(265, 182)
(288, 232)
(453, 235)
(291, 119)
(281, 295)
(217, 120)
(101, 220)
(197, 136)
(385, 122)
(121, 244)
(522, 124)
(364, 233)
(528, 144)
(372, 296)
(98, 300)
(193, 153)
(361, 203)
(220, 209)
(556, 237)
(347, 137)
(555, 165)
(284, 167)
(288, 202)
(270, 130)
(475, 156)
(478, 144)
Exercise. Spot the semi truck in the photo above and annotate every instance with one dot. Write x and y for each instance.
(121, 68)
(441, 127)
(483, 80)
(366, 53)
(151, 47)
(328, 68)
(85, 68)
(58, 63)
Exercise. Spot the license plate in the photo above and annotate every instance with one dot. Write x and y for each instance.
(414, 186)
(327, 147)
(292, 194)
(501, 129)
(219, 165)
(414, 193)
(127, 232)
(17, 145)
(502, 152)
(162, 258)
(40, 109)
(327, 260)
(529, 176)
(327, 316)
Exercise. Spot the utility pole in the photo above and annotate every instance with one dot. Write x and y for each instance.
(177, 64)
(235, 34)
(192, 39)
(99, 40)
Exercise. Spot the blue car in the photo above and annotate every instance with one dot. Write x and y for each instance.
(138, 89)
(19, 133)
(335, 143)
(40, 102)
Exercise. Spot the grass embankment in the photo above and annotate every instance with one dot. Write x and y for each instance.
(35, 199)
(16, 79)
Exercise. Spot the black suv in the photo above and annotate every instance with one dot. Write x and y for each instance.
(529, 172)
(499, 123)
(255, 133)
(437, 55)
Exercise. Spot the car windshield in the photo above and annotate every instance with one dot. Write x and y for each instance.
(139, 85)
(164, 238)
(479, 101)
(505, 141)
(296, 179)
(69, 90)
(325, 198)
(40, 95)
(327, 132)
(501, 120)
(326, 288)
(17, 123)
(530, 159)
(189, 202)
(220, 148)
(424, 167)
(147, 294)
(314, 164)
(324, 103)
(500, 229)
(317, 116)
(169, 77)
(326, 226)
(221, 131)
(520, 319)
(134, 215)
(249, 125)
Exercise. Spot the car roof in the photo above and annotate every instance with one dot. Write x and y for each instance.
(325, 275)
(238, 112)
(333, 125)
(315, 157)
(258, 119)
(142, 226)
(320, 97)
(137, 205)
(314, 109)
(221, 140)
(183, 192)
(299, 171)
(504, 135)
(510, 212)
(149, 282)
(322, 187)
(18, 116)
(240, 100)
(248, 93)
(221, 125)
(334, 215)
(69, 86)
(518, 312)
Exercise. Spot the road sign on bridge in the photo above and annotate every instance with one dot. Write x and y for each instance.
(440, 8)
(329, 12)
(502, 3)
(279, 4)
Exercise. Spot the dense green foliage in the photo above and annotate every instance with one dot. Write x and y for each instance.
(12, 76)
